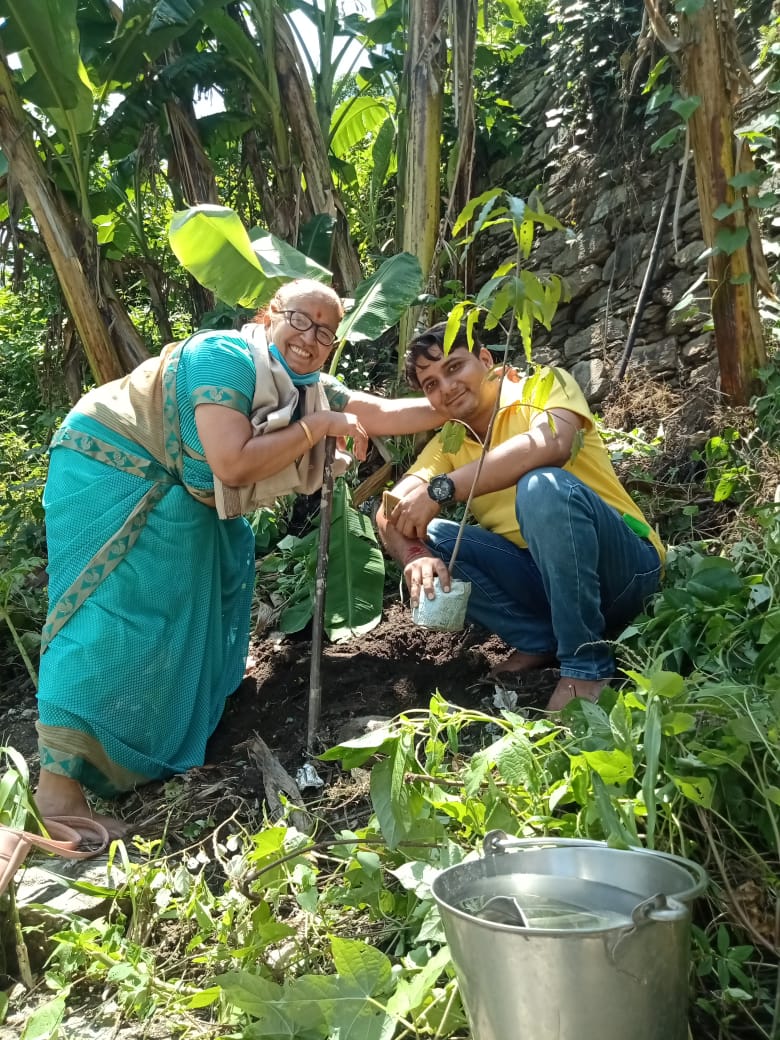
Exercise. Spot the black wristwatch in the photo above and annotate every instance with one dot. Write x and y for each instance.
(441, 488)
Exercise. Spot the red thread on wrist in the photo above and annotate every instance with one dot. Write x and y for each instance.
(416, 552)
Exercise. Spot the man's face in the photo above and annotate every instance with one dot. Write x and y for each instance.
(456, 384)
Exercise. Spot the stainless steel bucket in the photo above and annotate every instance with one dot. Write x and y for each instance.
(556, 939)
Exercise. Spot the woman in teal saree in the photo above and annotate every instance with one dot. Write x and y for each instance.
(150, 584)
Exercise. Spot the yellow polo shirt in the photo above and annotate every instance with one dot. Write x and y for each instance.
(592, 465)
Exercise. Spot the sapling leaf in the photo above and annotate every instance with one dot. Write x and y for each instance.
(487, 200)
(453, 324)
(453, 434)
(363, 966)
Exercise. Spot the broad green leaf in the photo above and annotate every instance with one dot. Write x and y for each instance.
(714, 581)
(768, 659)
(676, 722)
(361, 965)
(486, 199)
(213, 245)
(411, 994)
(475, 773)
(667, 139)
(381, 300)
(620, 721)
(697, 789)
(766, 201)
(44, 1023)
(167, 13)
(297, 613)
(315, 238)
(384, 160)
(281, 261)
(724, 210)
(453, 434)
(355, 589)
(685, 107)
(454, 322)
(748, 179)
(614, 767)
(353, 120)
(729, 241)
(515, 762)
(655, 72)
(390, 796)
(47, 30)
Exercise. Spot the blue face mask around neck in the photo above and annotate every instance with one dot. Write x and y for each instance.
(297, 379)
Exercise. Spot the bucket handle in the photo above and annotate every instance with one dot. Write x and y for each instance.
(658, 909)
(498, 842)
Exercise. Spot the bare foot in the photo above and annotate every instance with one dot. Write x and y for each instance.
(60, 796)
(568, 688)
(520, 662)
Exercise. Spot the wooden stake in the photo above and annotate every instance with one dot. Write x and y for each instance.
(320, 584)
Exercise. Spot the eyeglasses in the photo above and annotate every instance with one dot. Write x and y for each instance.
(302, 322)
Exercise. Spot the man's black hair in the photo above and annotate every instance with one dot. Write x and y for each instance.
(430, 345)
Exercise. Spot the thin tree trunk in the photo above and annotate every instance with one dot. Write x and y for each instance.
(712, 71)
(111, 342)
(738, 333)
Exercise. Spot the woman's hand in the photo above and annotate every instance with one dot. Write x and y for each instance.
(341, 425)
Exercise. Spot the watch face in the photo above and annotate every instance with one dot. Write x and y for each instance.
(441, 488)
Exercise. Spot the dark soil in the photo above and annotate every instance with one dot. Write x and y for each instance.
(394, 668)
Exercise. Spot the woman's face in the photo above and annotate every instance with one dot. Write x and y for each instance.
(304, 349)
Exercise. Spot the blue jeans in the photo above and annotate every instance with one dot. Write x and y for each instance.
(584, 576)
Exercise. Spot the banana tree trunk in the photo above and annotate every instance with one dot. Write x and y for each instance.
(110, 340)
(296, 97)
(711, 71)
(419, 202)
(193, 170)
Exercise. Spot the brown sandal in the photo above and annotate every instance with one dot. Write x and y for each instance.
(74, 837)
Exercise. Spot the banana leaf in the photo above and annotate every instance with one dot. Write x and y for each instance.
(45, 35)
(241, 269)
(356, 574)
(382, 299)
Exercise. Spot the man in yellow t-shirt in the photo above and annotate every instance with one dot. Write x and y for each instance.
(560, 557)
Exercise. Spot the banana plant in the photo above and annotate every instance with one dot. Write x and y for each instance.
(245, 268)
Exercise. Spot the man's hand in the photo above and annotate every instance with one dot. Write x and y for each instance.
(419, 574)
(414, 512)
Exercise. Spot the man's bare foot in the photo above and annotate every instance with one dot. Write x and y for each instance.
(60, 796)
(568, 688)
(520, 662)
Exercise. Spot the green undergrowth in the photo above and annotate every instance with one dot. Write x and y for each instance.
(277, 934)
(335, 935)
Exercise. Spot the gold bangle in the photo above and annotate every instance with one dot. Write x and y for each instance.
(305, 427)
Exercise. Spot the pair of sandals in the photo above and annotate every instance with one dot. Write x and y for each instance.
(74, 837)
